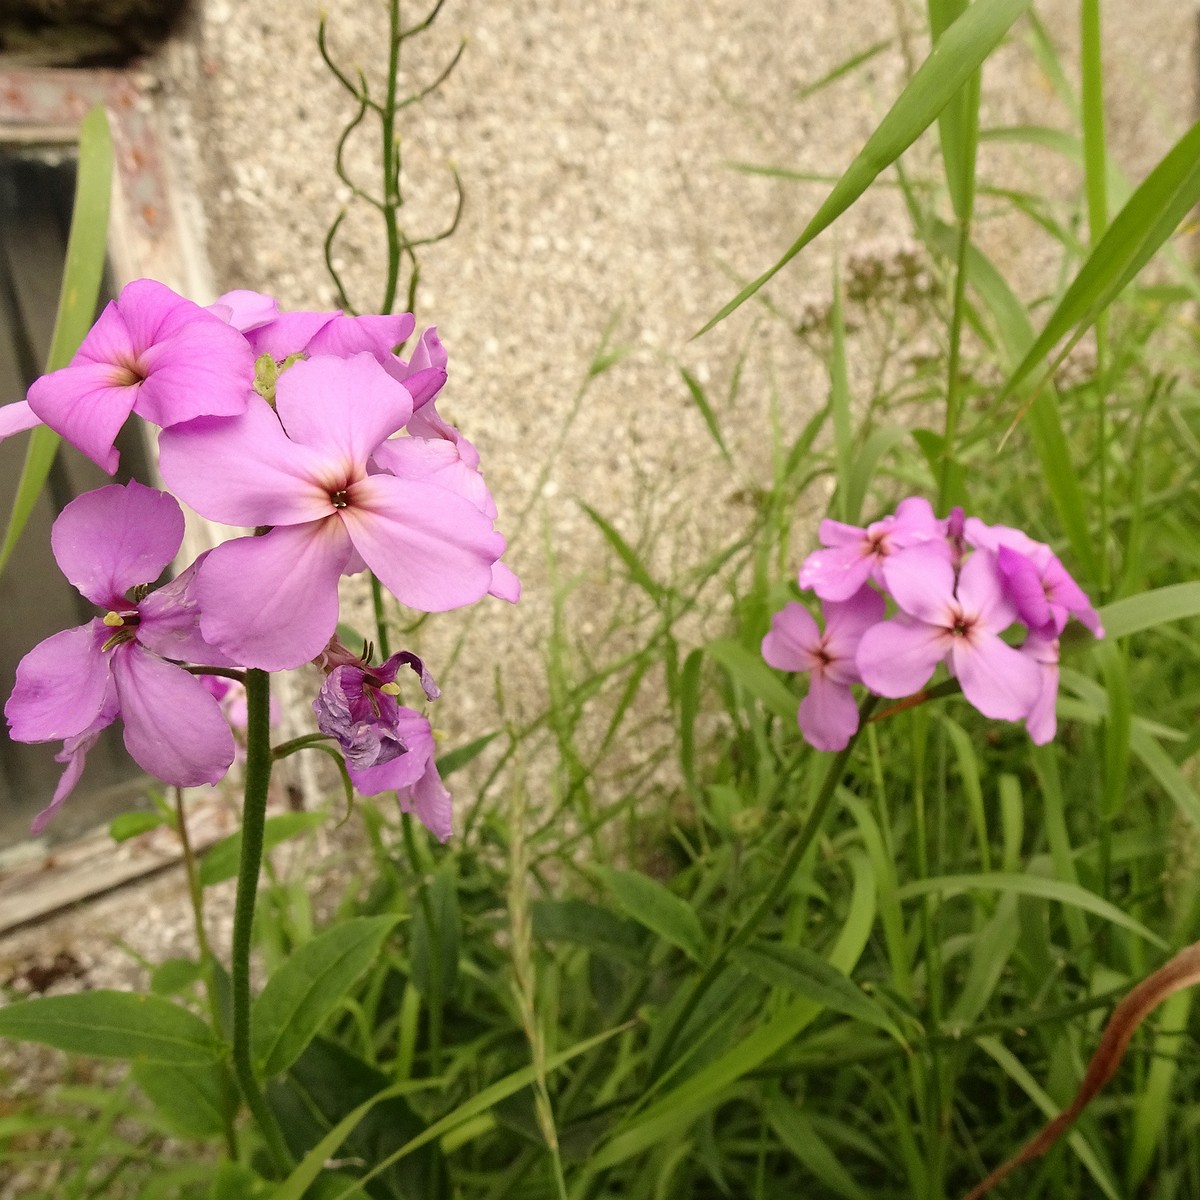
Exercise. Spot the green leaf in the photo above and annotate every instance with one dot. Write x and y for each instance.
(314, 1162)
(797, 1134)
(656, 907)
(703, 1090)
(82, 275)
(1013, 1067)
(689, 707)
(110, 1024)
(132, 824)
(1031, 885)
(195, 1101)
(748, 669)
(958, 54)
(301, 996)
(706, 411)
(436, 937)
(626, 553)
(1142, 226)
(222, 858)
(454, 760)
(1148, 609)
(802, 971)
(587, 924)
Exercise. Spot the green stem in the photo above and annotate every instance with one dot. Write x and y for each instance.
(391, 164)
(783, 878)
(258, 778)
(207, 961)
(381, 635)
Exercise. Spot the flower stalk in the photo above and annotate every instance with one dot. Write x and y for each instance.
(258, 778)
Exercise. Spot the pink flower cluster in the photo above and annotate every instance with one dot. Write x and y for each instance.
(959, 588)
(307, 429)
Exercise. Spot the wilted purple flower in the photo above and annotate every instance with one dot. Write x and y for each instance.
(956, 620)
(828, 715)
(75, 683)
(357, 706)
(853, 555)
(413, 776)
(301, 469)
(150, 352)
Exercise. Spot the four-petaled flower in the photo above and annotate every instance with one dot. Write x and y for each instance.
(827, 715)
(271, 601)
(150, 352)
(75, 683)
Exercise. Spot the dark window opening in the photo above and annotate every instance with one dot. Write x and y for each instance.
(36, 192)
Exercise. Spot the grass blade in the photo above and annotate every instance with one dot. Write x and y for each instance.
(82, 275)
(957, 55)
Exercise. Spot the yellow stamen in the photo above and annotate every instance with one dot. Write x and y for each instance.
(390, 689)
(113, 620)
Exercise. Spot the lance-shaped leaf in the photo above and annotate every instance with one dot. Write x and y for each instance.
(958, 54)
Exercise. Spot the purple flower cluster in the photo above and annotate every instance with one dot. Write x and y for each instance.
(959, 588)
(305, 428)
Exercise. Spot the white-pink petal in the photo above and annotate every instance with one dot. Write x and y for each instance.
(431, 548)
(272, 601)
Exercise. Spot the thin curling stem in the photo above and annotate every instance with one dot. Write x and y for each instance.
(258, 778)
(766, 904)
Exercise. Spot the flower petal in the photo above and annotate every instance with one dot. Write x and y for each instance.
(16, 418)
(74, 755)
(828, 715)
(373, 333)
(62, 685)
(921, 581)
(173, 726)
(430, 547)
(244, 470)
(82, 404)
(169, 622)
(272, 601)
(341, 407)
(836, 573)
(897, 657)
(794, 640)
(115, 538)
(439, 461)
(998, 680)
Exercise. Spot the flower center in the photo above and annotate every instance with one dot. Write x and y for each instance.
(127, 373)
(123, 625)
(339, 499)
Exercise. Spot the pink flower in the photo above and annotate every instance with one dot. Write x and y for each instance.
(77, 682)
(357, 707)
(281, 334)
(1045, 595)
(828, 715)
(425, 373)
(953, 620)
(301, 470)
(853, 556)
(413, 776)
(150, 352)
